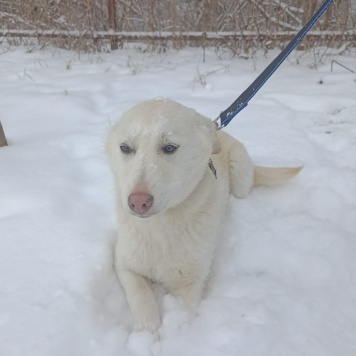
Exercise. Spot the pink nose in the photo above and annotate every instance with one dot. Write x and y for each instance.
(140, 203)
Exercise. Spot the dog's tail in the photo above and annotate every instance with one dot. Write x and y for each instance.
(270, 176)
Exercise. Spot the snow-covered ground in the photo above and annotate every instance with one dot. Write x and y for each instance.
(283, 280)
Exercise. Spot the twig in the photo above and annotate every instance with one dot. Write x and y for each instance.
(341, 65)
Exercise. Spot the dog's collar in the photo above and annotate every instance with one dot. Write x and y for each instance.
(212, 168)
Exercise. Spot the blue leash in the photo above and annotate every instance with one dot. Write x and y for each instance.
(241, 102)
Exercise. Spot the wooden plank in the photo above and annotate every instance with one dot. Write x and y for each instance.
(185, 37)
(112, 23)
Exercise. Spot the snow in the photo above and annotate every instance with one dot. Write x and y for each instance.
(283, 280)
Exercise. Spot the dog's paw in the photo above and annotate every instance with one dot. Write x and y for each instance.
(147, 317)
(140, 342)
(151, 325)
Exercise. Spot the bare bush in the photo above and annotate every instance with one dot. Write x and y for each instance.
(239, 25)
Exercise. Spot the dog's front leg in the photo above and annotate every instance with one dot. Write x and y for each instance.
(141, 300)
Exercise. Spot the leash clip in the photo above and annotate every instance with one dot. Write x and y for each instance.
(218, 123)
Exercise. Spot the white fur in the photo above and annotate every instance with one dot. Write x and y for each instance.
(173, 243)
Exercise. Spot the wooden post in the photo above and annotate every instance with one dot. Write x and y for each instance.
(3, 141)
(112, 22)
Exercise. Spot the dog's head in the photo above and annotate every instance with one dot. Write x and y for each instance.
(159, 152)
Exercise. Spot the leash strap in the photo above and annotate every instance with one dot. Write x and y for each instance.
(241, 102)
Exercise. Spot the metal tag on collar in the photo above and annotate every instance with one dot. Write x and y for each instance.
(212, 168)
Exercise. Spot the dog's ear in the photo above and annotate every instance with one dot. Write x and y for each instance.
(216, 142)
(214, 137)
(210, 127)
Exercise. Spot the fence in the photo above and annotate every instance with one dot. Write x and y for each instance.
(238, 25)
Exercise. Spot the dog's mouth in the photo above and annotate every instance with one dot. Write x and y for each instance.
(142, 216)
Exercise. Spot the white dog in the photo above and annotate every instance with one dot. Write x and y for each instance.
(173, 173)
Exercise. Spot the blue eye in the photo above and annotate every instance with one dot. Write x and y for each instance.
(125, 149)
(169, 149)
